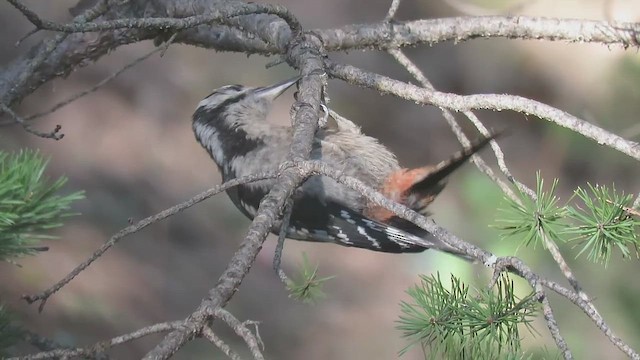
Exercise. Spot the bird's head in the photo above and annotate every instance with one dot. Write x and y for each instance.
(231, 120)
(242, 103)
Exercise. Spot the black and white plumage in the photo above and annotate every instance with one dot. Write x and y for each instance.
(231, 125)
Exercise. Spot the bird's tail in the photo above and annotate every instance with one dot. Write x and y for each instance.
(437, 174)
(417, 188)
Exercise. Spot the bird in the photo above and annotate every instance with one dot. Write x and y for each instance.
(231, 125)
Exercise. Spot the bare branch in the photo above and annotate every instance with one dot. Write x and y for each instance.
(499, 154)
(53, 134)
(403, 60)
(410, 33)
(219, 15)
(103, 346)
(241, 330)
(597, 319)
(46, 49)
(395, 4)
(553, 327)
(103, 82)
(208, 334)
(497, 102)
(277, 256)
(549, 244)
(18, 82)
(44, 296)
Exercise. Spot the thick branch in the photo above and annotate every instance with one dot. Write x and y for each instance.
(73, 51)
(218, 14)
(385, 35)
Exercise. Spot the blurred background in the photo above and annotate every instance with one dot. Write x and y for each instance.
(131, 148)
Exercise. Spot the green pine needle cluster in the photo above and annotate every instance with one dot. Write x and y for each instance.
(307, 286)
(29, 203)
(454, 324)
(531, 219)
(604, 221)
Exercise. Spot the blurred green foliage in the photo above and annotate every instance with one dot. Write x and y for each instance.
(29, 208)
(29, 203)
(307, 286)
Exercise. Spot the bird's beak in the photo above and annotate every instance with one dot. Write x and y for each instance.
(275, 90)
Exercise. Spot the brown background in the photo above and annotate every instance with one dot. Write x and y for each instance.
(130, 146)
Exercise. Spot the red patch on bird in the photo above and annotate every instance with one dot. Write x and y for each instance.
(397, 184)
(395, 188)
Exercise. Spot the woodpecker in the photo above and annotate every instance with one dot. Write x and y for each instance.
(231, 125)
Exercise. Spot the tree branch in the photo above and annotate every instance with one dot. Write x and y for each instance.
(219, 14)
(266, 29)
(385, 35)
(241, 330)
(208, 334)
(496, 102)
(44, 296)
(103, 346)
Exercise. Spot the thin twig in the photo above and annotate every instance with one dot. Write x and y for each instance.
(417, 73)
(77, 96)
(91, 14)
(495, 102)
(167, 24)
(277, 256)
(401, 58)
(101, 347)
(552, 324)
(597, 319)
(208, 334)
(241, 330)
(395, 4)
(566, 270)
(44, 296)
(53, 134)
(499, 154)
(256, 327)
